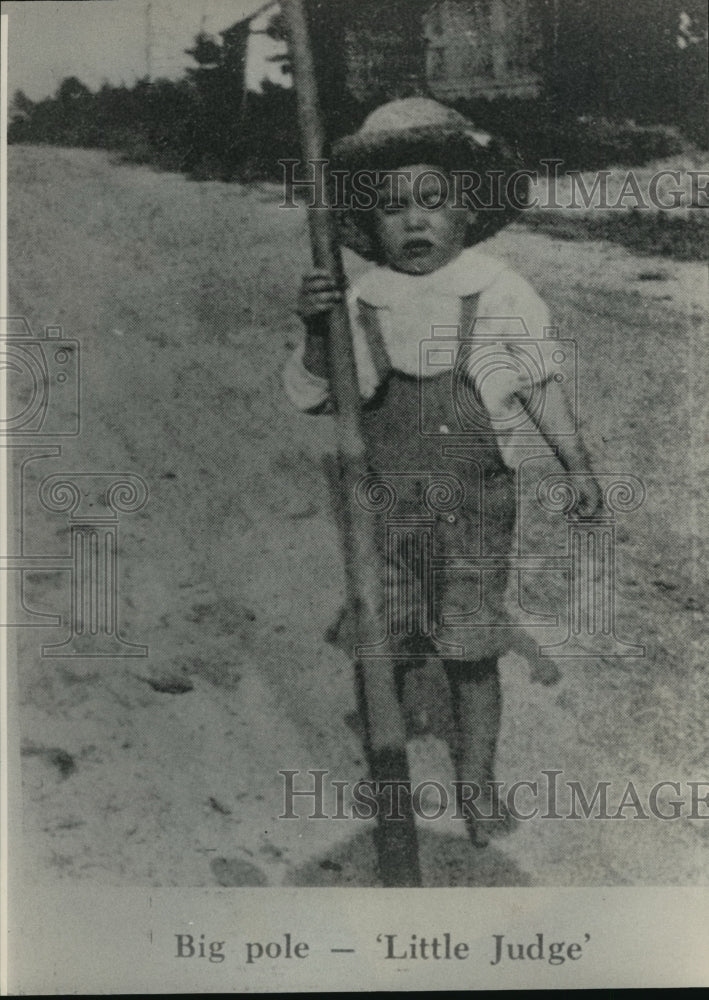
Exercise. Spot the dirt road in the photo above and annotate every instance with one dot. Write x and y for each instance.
(164, 771)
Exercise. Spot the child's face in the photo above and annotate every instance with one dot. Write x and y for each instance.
(417, 233)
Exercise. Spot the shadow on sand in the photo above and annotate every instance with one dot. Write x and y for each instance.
(446, 861)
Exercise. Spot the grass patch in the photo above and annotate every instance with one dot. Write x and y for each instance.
(642, 232)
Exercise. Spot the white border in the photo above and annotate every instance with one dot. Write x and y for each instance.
(4, 728)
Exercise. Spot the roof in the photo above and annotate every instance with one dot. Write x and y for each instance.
(257, 8)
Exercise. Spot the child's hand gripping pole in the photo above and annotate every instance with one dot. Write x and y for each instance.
(396, 840)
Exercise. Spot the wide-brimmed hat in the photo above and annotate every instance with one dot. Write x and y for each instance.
(421, 130)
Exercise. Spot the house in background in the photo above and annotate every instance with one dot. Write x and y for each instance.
(489, 48)
(452, 49)
(640, 61)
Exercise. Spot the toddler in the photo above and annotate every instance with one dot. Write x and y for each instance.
(429, 273)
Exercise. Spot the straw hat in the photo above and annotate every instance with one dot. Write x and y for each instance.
(421, 130)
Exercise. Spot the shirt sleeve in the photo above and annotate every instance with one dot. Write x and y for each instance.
(305, 390)
(513, 320)
(309, 392)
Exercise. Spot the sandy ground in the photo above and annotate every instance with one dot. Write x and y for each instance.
(164, 771)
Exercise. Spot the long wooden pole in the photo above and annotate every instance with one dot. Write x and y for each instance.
(385, 734)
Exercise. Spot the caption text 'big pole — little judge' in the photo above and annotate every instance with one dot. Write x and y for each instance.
(397, 947)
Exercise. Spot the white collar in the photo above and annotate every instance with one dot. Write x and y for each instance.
(470, 272)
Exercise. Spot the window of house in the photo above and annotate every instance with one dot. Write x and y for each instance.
(436, 62)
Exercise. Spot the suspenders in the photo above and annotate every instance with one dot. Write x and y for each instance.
(375, 341)
(368, 315)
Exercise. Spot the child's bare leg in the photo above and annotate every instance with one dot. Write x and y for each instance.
(416, 711)
(477, 708)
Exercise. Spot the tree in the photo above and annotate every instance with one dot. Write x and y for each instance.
(216, 126)
(205, 52)
(71, 89)
(21, 107)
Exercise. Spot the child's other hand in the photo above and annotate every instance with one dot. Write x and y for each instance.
(318, 294)
(590, 502)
